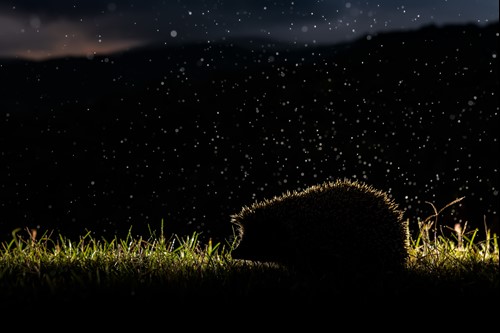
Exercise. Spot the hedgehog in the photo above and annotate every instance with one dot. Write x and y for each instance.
(342, 226)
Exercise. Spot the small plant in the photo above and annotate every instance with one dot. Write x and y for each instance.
(457, 258)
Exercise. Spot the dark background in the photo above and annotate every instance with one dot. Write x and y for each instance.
(189, 134)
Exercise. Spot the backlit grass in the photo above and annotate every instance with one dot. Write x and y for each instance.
(36, 269)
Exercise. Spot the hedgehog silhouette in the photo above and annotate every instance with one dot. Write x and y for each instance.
(336, 226)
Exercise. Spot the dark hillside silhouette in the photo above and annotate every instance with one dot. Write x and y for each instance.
(190, 134)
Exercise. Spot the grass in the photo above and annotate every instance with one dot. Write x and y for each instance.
(44, 271)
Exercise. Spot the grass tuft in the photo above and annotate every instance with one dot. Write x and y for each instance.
(40, 269)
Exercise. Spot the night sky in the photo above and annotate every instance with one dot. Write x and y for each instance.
(40, 29)
(132, 112)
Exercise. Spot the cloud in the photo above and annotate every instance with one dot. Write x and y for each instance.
(68, 27)
(35, 38)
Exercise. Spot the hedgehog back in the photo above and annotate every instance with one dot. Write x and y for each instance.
(335, 227)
